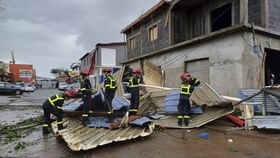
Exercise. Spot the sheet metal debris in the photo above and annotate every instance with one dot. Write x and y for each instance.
(171, 102)
(260, 100)
(210, 114)
(141, 121)
(79, 137)
(267, 122)
(206, 95)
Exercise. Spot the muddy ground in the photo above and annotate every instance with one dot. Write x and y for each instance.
(162, 143)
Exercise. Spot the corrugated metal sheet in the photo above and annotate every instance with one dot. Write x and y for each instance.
(153, 75)
(79, 137)
(171, 102)
(141, 121)
(117, 103)
(268, 122)
(260, 99)
(206, 95)
(72, 105)
(210, 114)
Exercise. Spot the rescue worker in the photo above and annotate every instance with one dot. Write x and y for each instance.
(184, 103)
(193, 81)
(134, 80)
(110, 88)
(53, 105)
(86, 97)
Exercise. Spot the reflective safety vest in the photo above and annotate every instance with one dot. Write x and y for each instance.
(185, 89)
(111, 84)
(133, 84)
(54, 99)
(85, 87)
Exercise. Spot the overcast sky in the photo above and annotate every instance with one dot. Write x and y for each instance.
(55, 33)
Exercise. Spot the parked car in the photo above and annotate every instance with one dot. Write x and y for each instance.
(20, 85)
(29, 88)
(62, 86)
(8, 88)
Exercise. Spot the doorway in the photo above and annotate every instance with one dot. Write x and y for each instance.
(272, 67)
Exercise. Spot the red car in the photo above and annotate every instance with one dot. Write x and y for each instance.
(74, 92)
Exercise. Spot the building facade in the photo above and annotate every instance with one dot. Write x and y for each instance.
(22, 72)
(105, 55)
(231, 44)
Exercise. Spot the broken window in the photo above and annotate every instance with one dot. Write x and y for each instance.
(221, 17)
(131, 43)
(153, 33)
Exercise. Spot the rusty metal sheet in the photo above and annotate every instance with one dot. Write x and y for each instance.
(79, 137)
(210, 114)
(206, 95)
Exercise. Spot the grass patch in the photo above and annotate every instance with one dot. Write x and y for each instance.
(11, 133)
(19, 107)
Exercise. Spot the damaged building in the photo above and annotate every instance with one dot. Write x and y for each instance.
(231, 44)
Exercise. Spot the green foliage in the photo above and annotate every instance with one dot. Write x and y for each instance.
(20, 145)
(11, 133)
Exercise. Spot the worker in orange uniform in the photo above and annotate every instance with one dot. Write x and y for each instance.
(86, 97)
(110, 88)
(53, 105)
(184, 103)
(134, 81)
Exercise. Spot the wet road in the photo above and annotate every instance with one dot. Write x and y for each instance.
(167, 143)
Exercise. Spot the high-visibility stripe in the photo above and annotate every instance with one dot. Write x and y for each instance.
(131, 85)
(109, 112)
(196, 81)
(187, 117)
(59, 107)
(179, 116)
(45, 125)
(84, 115)
(52, 101)
(112, 83)
(60, 122)
(185, 89)
(85, 89)
(133, 110)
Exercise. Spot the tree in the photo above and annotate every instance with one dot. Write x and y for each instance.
(56, 71)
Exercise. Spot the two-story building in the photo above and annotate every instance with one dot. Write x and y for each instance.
(23, 72)
(105, 55)
(231, 44)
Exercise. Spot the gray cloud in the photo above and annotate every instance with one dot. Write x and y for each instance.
(55, 33)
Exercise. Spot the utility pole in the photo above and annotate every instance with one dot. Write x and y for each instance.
(13, 58)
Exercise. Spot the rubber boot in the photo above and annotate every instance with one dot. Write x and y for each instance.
(111, 118)
(45, 131)
(85, 121)
(180, 121)
(186, 121)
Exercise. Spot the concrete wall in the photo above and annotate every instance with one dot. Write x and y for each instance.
(232, 63)
(273, 15)
(225, 56)
(252, 68)
(255, 12)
